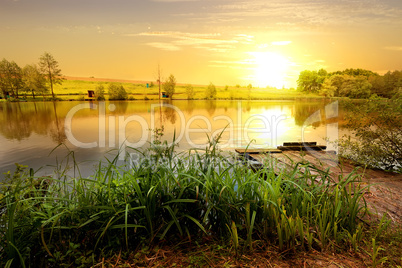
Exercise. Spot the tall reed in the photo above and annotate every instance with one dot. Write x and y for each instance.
(173, 197)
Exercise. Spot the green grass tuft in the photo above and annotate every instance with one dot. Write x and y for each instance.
(176, 197)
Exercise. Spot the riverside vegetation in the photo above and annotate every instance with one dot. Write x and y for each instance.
(349, 83)
(376, 133)
(196, 199)
(77, 90)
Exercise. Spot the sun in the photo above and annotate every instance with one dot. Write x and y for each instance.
(270, 69)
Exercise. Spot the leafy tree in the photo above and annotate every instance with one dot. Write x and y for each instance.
(311, 81)
(50, 69)
(328, 88)
(307, 81)
(100, 92)
(337, 81)
(190, 91)
(169, 86)
(34, 81)
(343, 85)
(392, 83)
(322, 73)
(376, 133)
(210, 93)
(10, 78)
(378, 85)
(117, 92)
(355, 87)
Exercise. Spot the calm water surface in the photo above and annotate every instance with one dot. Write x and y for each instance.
(30, 132)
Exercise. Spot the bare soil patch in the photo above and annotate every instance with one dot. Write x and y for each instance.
(211, 256)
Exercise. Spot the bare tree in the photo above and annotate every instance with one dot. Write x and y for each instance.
(159, 80)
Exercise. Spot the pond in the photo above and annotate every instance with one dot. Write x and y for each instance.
(30, 132)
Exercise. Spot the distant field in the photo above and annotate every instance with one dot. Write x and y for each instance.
(75, 88)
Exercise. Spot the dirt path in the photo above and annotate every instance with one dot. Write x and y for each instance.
(385, 193)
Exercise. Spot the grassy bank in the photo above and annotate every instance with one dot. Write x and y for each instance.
(78, 90)
(192, 201)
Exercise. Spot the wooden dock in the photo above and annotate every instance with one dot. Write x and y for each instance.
(284, 158)
(384, 196)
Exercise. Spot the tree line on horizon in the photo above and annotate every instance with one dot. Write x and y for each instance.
(32, 78)
(352, 83)
(37, 79)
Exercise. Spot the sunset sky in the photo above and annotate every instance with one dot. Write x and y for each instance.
(226, 42)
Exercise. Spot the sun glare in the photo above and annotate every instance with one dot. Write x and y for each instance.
(270, 69)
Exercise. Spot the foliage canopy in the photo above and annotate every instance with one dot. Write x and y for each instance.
(34, 81)
(352, 83)
(10, 78)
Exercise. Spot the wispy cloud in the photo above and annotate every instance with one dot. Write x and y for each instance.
(164, 46)
(180, 35)
(395, 48)
(246, 38)
(230, 64)
(281, 43)
(199, 41)
(208, 41)
(172, 1)
(305, 13)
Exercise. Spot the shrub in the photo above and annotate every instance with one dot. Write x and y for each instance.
(169, 86)
(100, 92)
(117, 92)
(210, 93)
(376, 138)
(190, 91)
